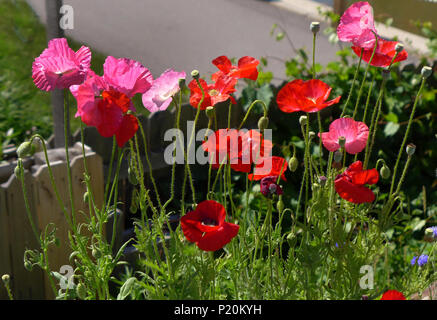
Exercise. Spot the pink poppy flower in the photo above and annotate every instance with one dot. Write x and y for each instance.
(357, 25)
(127, 76)
(159, 96)
(59, 67)
(103, 102)
(355, 133)
(385, 51)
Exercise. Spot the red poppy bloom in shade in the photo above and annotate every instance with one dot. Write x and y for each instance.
(350, 184)
(393, 295)
(354, 132)
(385, 51)
(221, 145)
(214, 93)
(206, 226)
(306, 96)
(246, 68)
(269, 166)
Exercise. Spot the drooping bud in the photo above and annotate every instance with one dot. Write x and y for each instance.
(315, 27)
(6, 278)
(311, 135)
(25, 150)
(303, 120)
(263, 123)
(293, 163)
(195, 74)
(18, 168)
(385, 172)
(28, 266)
(342, 141)
(96, 253)
(81, 291)
(210, 112)
(426, 72)
(338, 155)
(86, 197)
(399, 47)
(411, 148)
(280, 205)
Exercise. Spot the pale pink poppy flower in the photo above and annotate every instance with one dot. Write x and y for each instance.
(127, 76)
(159, 96)
(59, 67)
(357, 25)
(354, 132)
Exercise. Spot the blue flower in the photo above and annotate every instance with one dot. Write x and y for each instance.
(421, 260)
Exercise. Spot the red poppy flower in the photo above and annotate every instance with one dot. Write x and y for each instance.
(214, 93)
(350, 184)
(112, 110)
(246, 68)
(241, 148)
(385, 51)
(206, 226)
(269, 166)
(393, 295)
(307, 96)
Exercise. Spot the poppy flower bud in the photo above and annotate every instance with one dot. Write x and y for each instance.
(311, 135)
(210, 112)
(81, 291)
(426, 72)
(338, 155)
(86, 197)
(315, 27)
(131, 176)
(181, 83)
(316, 186)
(385, 172)
(411, 148)
(195, 74)
(303, 120)
(342, 141)
(96, 253)
(6, 278)
(17, 170)
(399, 47)
(280, 205)
(263, 123)
(292, 164)
(28, 266)
(25, 149)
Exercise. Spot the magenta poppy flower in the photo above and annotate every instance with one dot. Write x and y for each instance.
(354, 132)
(306, 96)
(206, 226)
(127, 76)
(59, 67)
(159, 96)
(384, 54)
(357, 25)
(350, 185)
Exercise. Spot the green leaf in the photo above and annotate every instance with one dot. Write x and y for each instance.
(126, 288)
(392, 117)
(390, 129)
(265, 94)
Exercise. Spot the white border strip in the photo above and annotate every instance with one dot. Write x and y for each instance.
(310, 9)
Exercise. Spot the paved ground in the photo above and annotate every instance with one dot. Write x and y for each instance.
(188, 34)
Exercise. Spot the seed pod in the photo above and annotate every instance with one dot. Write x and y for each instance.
(342, 141)
(280, 205)
(292, 164)
(426, 72)
(399, 47)
(195, 74)
(210, 112)
(315, 27)
(411, 148)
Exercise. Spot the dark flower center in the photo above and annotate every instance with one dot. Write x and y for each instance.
(209, 222)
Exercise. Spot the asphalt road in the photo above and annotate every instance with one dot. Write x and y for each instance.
(188, 34)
